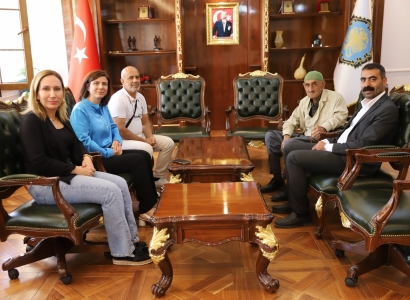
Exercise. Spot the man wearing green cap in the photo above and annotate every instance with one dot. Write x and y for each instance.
(321, 110)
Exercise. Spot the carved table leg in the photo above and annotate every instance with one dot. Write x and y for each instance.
(158, 289)
(158, 252)
(268, 248)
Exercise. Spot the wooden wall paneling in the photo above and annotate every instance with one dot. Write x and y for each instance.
(378, 15)
(190, 36)
(254, 14)
(67, 10)
(219, 64)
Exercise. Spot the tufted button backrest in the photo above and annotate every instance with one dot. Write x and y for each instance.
(11, 156)
(258, 96)
(69, 100)
(402, 137)
(180, 98)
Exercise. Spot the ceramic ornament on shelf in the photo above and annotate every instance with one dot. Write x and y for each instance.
(300, 72)
(279, 39)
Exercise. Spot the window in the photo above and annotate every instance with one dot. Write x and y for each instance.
(16, 67)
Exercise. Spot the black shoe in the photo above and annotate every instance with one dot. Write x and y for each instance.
(282, 195)
(273, 185)
(292, 220)
(140, 247)
(140, 258)
(282, 209)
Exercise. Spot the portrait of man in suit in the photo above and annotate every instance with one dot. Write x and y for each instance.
(223, 26)
(222, 23)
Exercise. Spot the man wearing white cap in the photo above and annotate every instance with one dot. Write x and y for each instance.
(321, 110)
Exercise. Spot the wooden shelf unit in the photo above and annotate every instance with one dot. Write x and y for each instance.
(117, 20)
(298, 32)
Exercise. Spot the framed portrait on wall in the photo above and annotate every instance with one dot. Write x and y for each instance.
(222, 23)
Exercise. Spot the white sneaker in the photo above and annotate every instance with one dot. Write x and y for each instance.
(161, 182)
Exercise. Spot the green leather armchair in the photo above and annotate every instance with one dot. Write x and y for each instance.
(380, 216)
(69, 100)
(181, 100)
(53, 230)
(257, 98)
(324, 186)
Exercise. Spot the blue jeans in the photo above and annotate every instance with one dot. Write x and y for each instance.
(111, 191)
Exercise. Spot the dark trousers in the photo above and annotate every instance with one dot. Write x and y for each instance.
(273, 141)
(138, 164)
(301, 161)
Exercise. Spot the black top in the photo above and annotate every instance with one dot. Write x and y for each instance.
(47, 150)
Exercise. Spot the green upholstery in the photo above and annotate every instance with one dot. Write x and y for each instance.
(328, 184)
(127, 177)
(44, 217)
(325, 185)
(12, 164)
(322, 182)
(50, 230)
(360, 205)
(402, 137)
(258, 98)
(11, 157)
(181, 99)
(69, 100)
(251, 133)
(178, 132)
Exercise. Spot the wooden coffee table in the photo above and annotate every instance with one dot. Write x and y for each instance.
(213, 159)
(212, 214)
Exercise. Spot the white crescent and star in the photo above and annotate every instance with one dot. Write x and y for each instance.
(215, 16)
(81, 52)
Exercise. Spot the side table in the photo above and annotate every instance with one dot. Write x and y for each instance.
(212, 214)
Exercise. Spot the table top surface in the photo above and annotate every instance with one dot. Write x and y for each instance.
(212, 151)
(211, 199)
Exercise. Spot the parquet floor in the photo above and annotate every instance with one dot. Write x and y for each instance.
(306, 268)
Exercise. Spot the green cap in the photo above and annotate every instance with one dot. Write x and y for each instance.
(314, 75)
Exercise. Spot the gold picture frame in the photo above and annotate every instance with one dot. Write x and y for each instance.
(145, 12)
(287, 7)
(323, 6)
(219, 32)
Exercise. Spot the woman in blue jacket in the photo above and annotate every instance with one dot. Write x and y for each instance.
(96, 129)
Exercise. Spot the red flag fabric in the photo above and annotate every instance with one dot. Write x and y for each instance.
(84, 54)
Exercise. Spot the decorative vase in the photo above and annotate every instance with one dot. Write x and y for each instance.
(300, 72)
(278, 39)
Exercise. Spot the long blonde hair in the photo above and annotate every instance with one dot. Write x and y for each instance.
(35, 106)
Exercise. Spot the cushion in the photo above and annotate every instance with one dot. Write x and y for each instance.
(178, 132)
(127, 177)
(33, 215)
(328, 183)
(360, 205)
(258, 96)
(250, 133)
(180, 98)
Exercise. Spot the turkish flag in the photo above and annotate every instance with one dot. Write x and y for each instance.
(84, 54)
